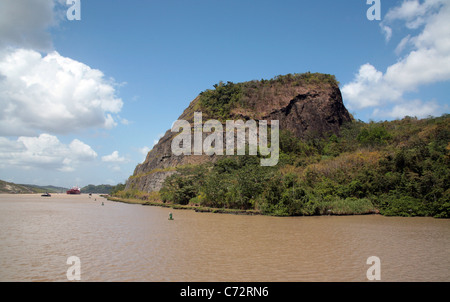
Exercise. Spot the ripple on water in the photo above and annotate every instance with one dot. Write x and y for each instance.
(121, 242)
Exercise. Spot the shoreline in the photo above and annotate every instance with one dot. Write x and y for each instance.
(198, 209)
(202, 209)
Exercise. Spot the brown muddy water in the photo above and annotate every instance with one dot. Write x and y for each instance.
(124, 242)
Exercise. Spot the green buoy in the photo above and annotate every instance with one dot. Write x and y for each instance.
(170, 216)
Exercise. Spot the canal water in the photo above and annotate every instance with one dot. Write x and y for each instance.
(124, 242)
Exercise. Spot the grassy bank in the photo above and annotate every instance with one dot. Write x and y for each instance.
(334, 208)
(195, 208)
(399, 168)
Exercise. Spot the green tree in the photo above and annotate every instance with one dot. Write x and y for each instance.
(373, 135)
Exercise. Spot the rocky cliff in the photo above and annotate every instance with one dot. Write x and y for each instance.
(307, 104)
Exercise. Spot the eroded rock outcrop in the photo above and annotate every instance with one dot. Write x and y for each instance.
(308, 105)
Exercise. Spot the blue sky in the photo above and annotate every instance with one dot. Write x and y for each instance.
(84, 100)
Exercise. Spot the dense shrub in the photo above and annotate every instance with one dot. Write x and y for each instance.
(400, 168)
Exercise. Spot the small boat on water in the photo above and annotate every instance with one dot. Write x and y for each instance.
(46, 195)
(74, 191)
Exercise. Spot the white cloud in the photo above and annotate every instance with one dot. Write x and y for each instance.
(402, 45)
(24, 23)
(47, 92)
(144, 150)
(124, 121)
(81, 151)
(427, 62)
(42, 91)
(414, 108)
(413, 12)
(387, 32)
(369, 89)
(113, 158)
(53, 94)
(44, 151)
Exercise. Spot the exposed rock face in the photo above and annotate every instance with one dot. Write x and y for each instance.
(312, 113)
(305, 110)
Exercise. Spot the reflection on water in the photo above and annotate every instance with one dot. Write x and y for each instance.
(122, 242)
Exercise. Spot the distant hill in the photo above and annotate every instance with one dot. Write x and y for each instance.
(100, 189)
(49, 189)
(9, 187)
(12, 188)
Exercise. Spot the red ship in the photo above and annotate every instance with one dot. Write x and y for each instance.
(74, 190)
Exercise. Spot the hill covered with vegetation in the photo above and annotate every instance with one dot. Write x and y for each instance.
(12, 188)
(98, 189)
(308, 105)
(329, 163)
(399, 168)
